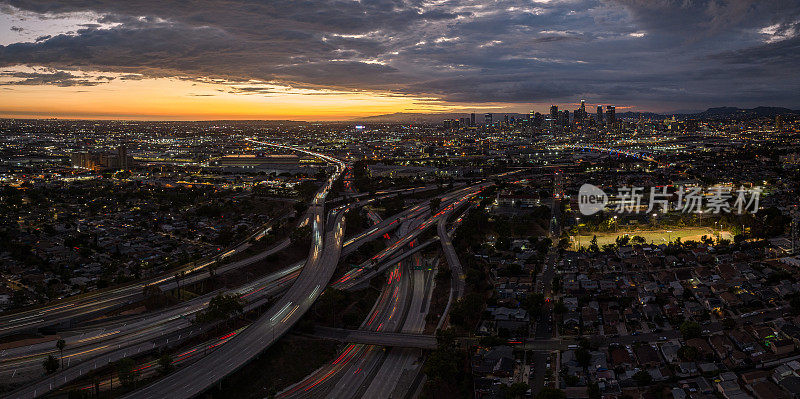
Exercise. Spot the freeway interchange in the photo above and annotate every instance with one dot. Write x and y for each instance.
(401, 307)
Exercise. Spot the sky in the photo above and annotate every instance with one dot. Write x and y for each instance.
(344, 59)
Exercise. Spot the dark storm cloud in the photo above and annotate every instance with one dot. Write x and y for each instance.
(56, 78)
(784, 53)
(656, 53)
(697, 19)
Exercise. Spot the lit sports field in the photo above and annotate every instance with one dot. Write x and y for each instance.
(654, 236)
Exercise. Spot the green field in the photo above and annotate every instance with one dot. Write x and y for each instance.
(654, 236)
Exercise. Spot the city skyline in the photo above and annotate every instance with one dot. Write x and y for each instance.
(324, 60)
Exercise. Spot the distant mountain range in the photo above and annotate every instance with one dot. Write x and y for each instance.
(717, 113)
(711, 113)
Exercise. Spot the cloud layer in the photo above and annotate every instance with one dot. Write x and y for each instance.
(654, 54)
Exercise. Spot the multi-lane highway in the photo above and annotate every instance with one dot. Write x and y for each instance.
(168, 323)
(96, 347)
(320, 265)
(64, 312)
(367, 370)
(401, 308)
(374, 265)
(388, 310)
(452, 261)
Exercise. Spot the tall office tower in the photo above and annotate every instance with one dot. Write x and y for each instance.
(583, 110)
(505, 120)
(487, 119)
(565, 118)
(531, 116)
(610, 115)
(599, 114)
(472, 119)
(778, 123)
(554, 112)
(538, 120)
(122, 157)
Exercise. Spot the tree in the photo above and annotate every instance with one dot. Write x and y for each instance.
(60, 344)
(467, 311)
(306, 189)
(593, 247)
(543, 245)
(125, 371)
(563, 245)
(794, 304)
(690, 329)
(222, 307)
(503, 243)
(491, 340)
(212, 270)
(560, 308)
(165, 363)
(50, 364)
(77, 394)
(442, 365)
(593, 391)
(643, 378)
(551, 393)
(533, 303)
(515, 390)
(688, 353)
(728, 324)
(583, 357)
(329, 303)
(301, 233)
(299, 208)
(445, 339)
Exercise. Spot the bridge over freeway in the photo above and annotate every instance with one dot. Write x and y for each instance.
(613, 151)
(424, 341)
(383, 338)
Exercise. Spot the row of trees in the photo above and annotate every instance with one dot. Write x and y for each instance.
(125, 368)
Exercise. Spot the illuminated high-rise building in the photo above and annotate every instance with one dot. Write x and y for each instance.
(610, 115)
(472, 119)
(487, 119)
(582, 114)
(122, 156)
(599, 115)
(554, 112)
(538, 120)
